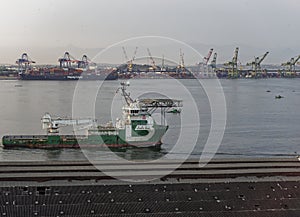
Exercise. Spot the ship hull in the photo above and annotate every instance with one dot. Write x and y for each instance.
(67, 77)
(111, 140)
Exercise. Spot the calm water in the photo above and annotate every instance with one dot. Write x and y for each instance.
(258, 125)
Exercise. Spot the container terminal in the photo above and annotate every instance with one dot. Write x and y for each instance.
(223, 187)
(71, 68)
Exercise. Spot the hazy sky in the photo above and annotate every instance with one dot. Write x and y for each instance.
(38, 25)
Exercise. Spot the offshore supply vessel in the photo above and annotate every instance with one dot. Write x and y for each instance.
(69, 69)
(136, 128)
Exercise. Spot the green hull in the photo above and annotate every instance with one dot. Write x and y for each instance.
(106, 138)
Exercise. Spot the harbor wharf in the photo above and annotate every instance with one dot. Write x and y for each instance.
(222, 187)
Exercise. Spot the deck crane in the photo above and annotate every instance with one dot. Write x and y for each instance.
(24, 63)
(292, 64)
(206, 59)
(233, 64)
(52, 125)
(67, 60)
(256, 64)
(154, 67)
(129, 61)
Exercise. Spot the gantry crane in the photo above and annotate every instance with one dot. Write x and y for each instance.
(292, 64)
(85, 62)
(153, 65)
(129, 61)
(233, 64)
(24, 63)
(256, 64)
(67, 60)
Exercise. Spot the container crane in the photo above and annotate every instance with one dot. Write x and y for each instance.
(154, 67)
(24, 63)
(256, 64)
(67, 60)
(292, 64)
(85, 62)
(52, 125)
(233, 64)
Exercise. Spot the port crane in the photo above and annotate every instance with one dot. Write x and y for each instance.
(256, 64)
(292, 64)
(130, 62)
(206, 59)
(67, 60)
(181, 66)
(52, 125)
(233, 64)
(24, 63)
(85, 62)
(213, 63)
(154, 67)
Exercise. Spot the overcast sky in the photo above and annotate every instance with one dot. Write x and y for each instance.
(38, 25)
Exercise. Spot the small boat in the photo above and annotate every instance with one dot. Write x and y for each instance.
(278, 97)
(174, 111)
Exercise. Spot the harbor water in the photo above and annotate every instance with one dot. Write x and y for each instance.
(257, 124)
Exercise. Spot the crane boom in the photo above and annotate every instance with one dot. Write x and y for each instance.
(125, 54)
(134, 54)
(53, 124)
(151, 58)
(262, 58)
(206, 59)
(295, 60)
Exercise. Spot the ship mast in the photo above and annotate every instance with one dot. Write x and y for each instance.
(126, 95)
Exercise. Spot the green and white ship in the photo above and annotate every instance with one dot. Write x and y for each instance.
(136, 128)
